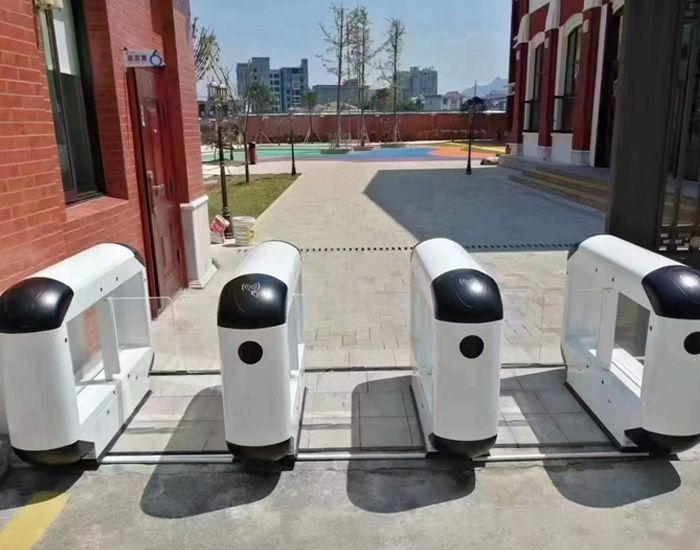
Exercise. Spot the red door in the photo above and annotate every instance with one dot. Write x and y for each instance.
(159, 204)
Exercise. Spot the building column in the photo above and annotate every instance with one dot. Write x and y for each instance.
(585, 83)
(183, 118)
(647, 92)
(549, 75)
(521, 51)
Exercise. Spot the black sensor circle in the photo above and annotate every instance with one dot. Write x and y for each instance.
(471, 346)
(250, 352)
(692, 343)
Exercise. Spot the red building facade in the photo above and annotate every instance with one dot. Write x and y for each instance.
(92, 150)
(563, 68)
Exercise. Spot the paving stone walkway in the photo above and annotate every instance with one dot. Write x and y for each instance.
(355, 224)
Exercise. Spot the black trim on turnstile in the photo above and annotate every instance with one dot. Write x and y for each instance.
(661, 444)
(60, 456)
(36, 304)
(470, 449)
(466, 296)
(674, 292)
(253, 301)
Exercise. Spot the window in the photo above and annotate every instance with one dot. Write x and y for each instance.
(573, 59)
(72, 102)
(533, 116)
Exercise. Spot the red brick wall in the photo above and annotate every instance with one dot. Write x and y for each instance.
(413, 126)
(32, 210)
(37, 229)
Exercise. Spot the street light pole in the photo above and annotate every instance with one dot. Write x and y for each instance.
(291, 141)
(471, 137)
(219, 93)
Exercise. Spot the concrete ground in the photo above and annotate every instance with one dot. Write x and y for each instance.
(380, 505)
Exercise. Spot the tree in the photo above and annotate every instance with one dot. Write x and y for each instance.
(394, 46)
(261, 99)
(409, 105)
(310, 101)
(206, 50)
(382, 99)
(361, 56)
(336, 38)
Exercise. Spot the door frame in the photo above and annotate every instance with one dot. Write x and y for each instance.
(144, 196)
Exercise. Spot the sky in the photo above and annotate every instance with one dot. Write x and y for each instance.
(465, 40)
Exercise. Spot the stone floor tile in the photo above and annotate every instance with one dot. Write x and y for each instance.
(331, 434)
(541, 378)
(505, 437)
(372, 358)
(331, 405)
(509, 382)
(333, 382)
(381, 404)
(385, 433)
(559, 401)
(185, 385)
(518, 403)
(580, 428)
(536, 430)
(169, 436)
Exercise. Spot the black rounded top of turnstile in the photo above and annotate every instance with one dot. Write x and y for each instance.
(34, 305)
(674, 292)
(466, 296)
(255, 300)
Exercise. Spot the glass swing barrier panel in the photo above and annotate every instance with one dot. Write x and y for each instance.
(364, 327)
(532, 320)
(183, 332)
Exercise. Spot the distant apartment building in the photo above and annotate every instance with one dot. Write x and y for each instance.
(496, 100)
(418, 82)
(288, 84)
(451, 101)
(349, 93)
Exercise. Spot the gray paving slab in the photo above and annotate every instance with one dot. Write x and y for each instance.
(185, 412)
(579, 428)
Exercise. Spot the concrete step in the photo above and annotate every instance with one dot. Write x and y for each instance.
(592, 199)
(582, 184)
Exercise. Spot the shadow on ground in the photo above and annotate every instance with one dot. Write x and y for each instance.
(610, 485)
(383, 489)
(179, 491)
(23, 484)
(483, 209)
(389, 488)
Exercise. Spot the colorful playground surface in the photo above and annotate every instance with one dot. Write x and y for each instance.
(421, 151)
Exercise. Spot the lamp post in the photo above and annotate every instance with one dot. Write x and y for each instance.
(291, 141)
(472, 107)
(218, 93)
(471, 137)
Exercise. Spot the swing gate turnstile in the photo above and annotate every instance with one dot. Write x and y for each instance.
(630, 339)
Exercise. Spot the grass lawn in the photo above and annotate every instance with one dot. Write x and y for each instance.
(249, 199)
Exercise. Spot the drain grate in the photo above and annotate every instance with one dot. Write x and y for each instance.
(469, 247)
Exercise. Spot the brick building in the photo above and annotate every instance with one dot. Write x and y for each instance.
(93, 151)
(564, 66)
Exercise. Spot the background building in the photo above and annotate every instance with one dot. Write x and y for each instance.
(563, 68)
(418, 82)
(288, 84)
(349, 93)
